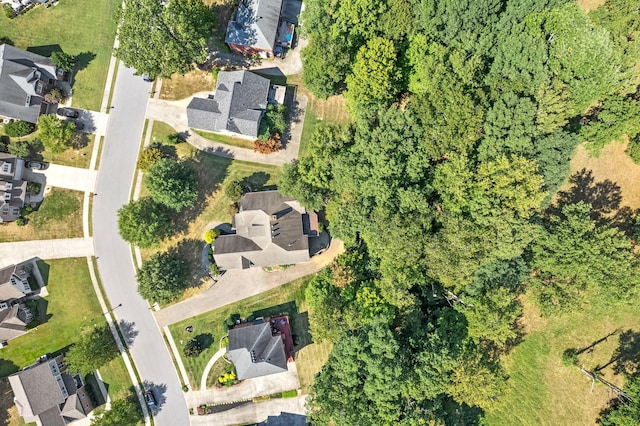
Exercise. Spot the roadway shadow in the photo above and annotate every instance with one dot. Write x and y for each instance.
(128, 331)
(605, 198)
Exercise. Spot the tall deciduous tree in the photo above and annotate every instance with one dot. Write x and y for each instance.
(172, 183)
(162, 38)
(123, 411)
(54, 133)
(63, 60)
(144, 222)
(163, 277)
(95, 348)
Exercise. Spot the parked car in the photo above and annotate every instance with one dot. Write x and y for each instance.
(147, 77)
(278, 52)
(36, 165)
(79, 124)
(68, 112)
(150, 398)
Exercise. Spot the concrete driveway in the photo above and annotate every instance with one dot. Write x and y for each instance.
(65, 177)
(289, 411)
(16, 252)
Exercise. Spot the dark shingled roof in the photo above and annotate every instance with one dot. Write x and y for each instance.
(255, 352)
(255, 24)
(19, 97)
(40, 387)
(237, 105)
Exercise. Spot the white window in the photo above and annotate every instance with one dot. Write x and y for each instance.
(8, 186)
(6, 167)
(7, 196)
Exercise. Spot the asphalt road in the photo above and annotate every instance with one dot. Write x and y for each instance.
(117, 167)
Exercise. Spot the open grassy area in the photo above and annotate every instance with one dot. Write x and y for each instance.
(83, 28)
(540, 389)
(212, 205)
(59, 216)
(181, 86)
(288, 298)
(161, 131)
(330, 110)
(227, 140)
(71, 305)
(116, 378)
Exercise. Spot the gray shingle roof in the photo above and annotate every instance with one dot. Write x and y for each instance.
(269, 232)
(255, 24)
(40, 388)
(255, 352)
(237, 105)
(24, 78)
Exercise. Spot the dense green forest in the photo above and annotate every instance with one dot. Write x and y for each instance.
(443, 188)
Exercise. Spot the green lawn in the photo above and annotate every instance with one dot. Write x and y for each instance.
(287, 298)
(71, 305)
(224, 139)
(540, 389)
(161, 131)
(59, 216)
(78, 27)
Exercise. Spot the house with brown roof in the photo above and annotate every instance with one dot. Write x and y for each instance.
(271, 229)
(47, 394)
(13, 188)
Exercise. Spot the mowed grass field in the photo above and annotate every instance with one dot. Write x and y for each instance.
(540, 389)
(181, 86)
(59, 216)
(78, 27)
(288, 298)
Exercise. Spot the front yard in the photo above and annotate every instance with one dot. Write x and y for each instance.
(289, 298)
(83, 28)
(59, 216)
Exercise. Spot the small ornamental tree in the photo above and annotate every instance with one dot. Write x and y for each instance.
(64, 61)
(124, 411)
(18, 128)
(55, 134)
(149, 157)
(94, 349)
(193, 348)
(211, 235)
(18, 148)
(55, 96)
(144, 222)
(163, 277)
(273, 122)
(273, 144)
(172, 183)
(175, 138)
(233, 190)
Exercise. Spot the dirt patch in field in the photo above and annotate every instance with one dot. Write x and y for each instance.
(181, 86)
(589, 5)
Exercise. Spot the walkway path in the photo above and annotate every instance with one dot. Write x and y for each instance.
(236, 285)
(16, 252)
(207, 369)
(174, 113)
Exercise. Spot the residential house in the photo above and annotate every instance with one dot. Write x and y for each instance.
(14, 316)
(255, 351)
(25, 78)
(253, 28)
(237, 106)
(47, 394)
(13, 189)
(270, 229)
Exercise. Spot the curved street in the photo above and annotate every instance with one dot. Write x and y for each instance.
(115, 176)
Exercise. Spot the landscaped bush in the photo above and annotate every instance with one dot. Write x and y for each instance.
(149, 157)
(33, 188)
(19, 148)
(21, 221)
(273, 144)
(633, 150)
(8, 11)
(274, 121)
(18, 128)
(233, 190)
(227, 379)
(211, 235)
(193, 348)
(175, 138)
(55, 95)
(214, 270)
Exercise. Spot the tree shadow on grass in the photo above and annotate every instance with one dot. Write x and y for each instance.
(190, 251)
(7, 367)
(257, 181)
(45, 50)
(205, 340)
(626, 357)
(83, 60)
(605, 198)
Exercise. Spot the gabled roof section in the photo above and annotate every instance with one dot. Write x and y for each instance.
(39, 388)
(255, 24)
(24, 78)
(237, 105)
(255, 352)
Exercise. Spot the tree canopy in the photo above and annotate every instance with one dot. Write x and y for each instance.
(163, 277)
(144, 222)
(172, 183)
(55, 133)
(95, 348)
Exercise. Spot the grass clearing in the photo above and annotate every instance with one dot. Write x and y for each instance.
(540, 389)
(77, 155)
(288, 298)
(59, 216)
(83, 28)
(212, 205)
(182, 86)
(161, 131)
(227, 140)
(116, 378)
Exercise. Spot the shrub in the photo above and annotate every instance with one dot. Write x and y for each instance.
(211, 235)
(193, 348)
(55, 96)
(8, 11)
(233, 190)
(273, 144)
(214, 269)
(570, 357)
(175, 139)
(227, 379)
(274, 121)
(20, 221)
(224, 342)
(18, 128)
(633, 150)
(149, 157)
(19, 148)
(34, 188)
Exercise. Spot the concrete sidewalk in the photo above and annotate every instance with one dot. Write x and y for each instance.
(236, 285)
(16, 252)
